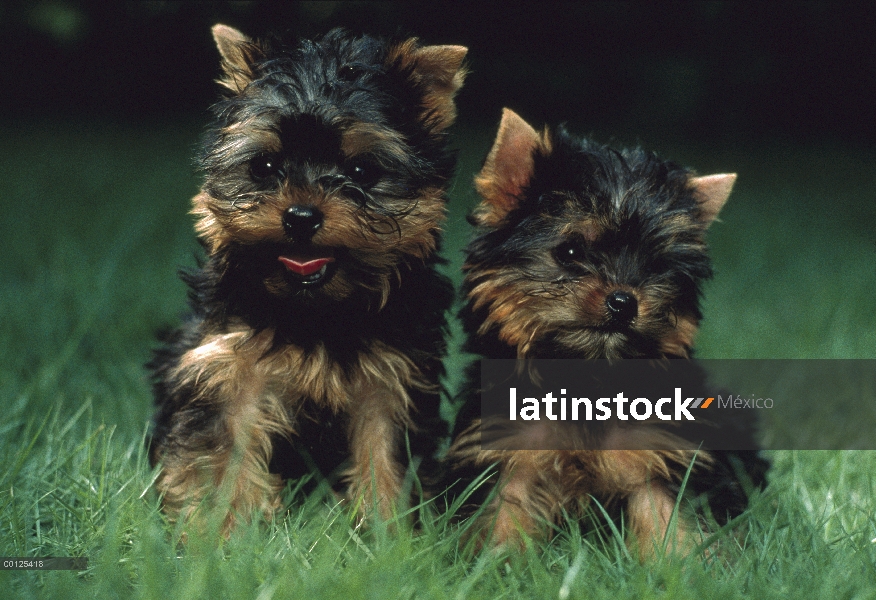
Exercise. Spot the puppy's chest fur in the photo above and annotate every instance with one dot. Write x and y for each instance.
(240, 360)
(329, 356)
(306, 373)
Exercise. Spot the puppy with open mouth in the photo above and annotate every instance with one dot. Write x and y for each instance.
(318, 320)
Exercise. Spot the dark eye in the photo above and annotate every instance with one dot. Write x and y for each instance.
(266, 166)
(569, 253)
(350, 72)
(363, 173)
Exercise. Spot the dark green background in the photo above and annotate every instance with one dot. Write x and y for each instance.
(714, 72)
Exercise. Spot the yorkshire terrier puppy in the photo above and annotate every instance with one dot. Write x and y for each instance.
(586, 252)
(318, 318)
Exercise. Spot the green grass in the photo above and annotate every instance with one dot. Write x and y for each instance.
(93, 228)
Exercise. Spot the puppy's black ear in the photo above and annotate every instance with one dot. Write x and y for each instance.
(238, 55)
(508, 168)
(711, 193)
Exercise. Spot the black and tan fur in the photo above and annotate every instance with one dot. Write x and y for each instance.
(318, 319)
(586, 252)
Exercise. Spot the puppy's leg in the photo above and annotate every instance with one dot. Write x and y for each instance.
(215, 456)
(530, 496)
(642, 477)
(649, 511)
(376, 427)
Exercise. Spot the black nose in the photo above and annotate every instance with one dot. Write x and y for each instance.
(622, 307)
(301, 222)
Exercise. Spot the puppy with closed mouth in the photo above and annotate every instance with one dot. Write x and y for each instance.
(583, 251)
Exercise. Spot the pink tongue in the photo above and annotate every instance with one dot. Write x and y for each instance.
(304, 268)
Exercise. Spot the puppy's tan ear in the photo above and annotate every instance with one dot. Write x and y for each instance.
(711, 193)
(238, 55)
(508, 168)
(438, 70)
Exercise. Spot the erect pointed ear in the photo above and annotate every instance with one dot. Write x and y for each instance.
(440, 72)
(238, 54)
(711, 193)
(508, 168)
